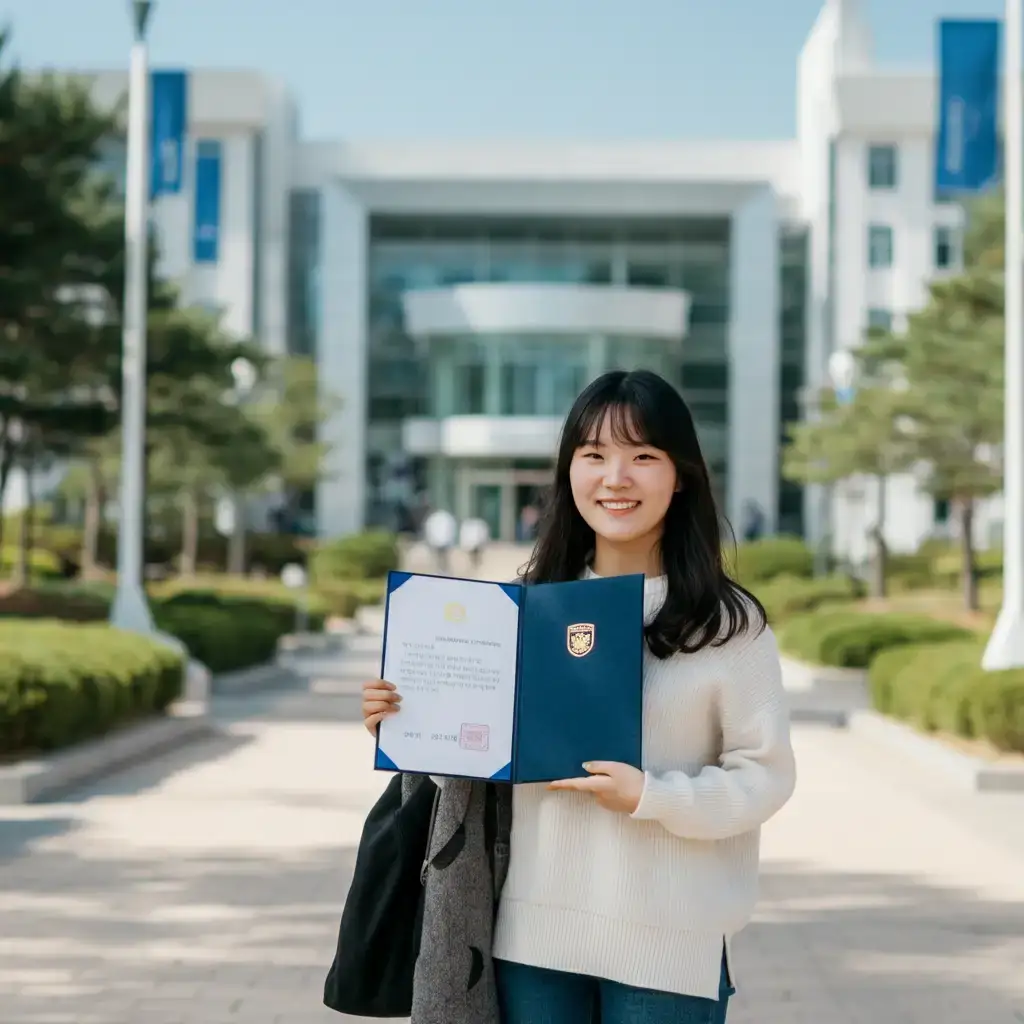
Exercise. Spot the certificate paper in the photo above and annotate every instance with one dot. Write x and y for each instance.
(451, 649)
(512, 683)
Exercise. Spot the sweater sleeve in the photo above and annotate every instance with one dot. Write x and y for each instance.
(756, 773)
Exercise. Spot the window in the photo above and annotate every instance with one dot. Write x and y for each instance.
(946, 247)
(882, 167)
(879, 320)
(880, 246)
(519, 383)
(470, 385)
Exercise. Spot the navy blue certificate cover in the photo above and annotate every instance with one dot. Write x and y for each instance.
(579, 677)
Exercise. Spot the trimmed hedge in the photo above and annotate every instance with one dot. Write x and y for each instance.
(61, 683)
(852, 639)
(224, 630)
(360, 556)
(943, 688)
(786, 596)
(228, 631)
(771, 557)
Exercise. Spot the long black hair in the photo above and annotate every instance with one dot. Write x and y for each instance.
(703, 606)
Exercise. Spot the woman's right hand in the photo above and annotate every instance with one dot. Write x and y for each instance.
(380, 699)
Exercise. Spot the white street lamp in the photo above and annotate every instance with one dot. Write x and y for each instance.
(244, 375)
(130, 609)
(842, 373)
(1006, 645)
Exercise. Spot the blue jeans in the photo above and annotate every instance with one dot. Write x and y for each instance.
(534, 995)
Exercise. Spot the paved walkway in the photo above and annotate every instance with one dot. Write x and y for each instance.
(205, 888)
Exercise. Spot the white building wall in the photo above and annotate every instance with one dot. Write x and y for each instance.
(342, 360)
(754, 354)
(280, 138)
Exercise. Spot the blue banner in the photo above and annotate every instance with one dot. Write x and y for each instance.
(169, 120)
(967, 142)
(206, 226)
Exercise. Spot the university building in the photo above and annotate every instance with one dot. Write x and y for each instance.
(458, 296)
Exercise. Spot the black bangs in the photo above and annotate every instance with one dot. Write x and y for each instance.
(625, 418)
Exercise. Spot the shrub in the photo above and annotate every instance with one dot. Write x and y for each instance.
(42, 564)
(228, 631)
(942, 687)
(767, 559)
(61, 683)
(344, 598)
(884, 669)
(360, 556)
(221, 637)
(72, 604)
(852, 639)
(910, 572)
(240, 591)
(995, 707)
(786, 596)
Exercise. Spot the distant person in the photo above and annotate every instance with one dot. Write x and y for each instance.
(529, 517)
(753, 522)
(439, 531)
(474, 536)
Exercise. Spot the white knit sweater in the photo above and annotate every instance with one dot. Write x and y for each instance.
(647, 899)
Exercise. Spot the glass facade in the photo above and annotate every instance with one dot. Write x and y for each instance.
(794, 256)
(536, 375)
(303, 315)
(304, 272)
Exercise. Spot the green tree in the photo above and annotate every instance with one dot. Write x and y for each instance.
(292, 405)
(56, 219)
(867, 436)
(951, 357)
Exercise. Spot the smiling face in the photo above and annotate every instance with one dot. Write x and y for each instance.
(622, 489)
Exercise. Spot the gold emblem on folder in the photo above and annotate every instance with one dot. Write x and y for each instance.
(454, 612)
(579, 639)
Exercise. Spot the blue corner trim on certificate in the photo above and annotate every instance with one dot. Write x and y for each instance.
(512, 683)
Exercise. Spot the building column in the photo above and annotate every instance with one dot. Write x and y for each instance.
(754, 354)
(342, 356)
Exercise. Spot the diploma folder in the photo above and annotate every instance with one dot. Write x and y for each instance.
(570, 660)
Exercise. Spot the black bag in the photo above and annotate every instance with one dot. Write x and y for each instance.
(379, 937)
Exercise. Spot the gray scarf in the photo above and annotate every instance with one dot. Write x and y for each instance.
(464, 872)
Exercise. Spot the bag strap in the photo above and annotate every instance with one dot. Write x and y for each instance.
(430, 835)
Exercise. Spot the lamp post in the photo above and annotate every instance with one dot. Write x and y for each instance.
(130, 609)
(1006, 645)
(244, 375)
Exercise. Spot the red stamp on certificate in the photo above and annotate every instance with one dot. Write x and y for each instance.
(475, 737)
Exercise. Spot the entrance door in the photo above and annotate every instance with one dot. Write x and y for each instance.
(486, 504)
(498, 496)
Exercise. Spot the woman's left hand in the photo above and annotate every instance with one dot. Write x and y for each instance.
(615, 786)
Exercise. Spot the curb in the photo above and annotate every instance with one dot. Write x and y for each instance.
(29, 781)
(248, 680)
(972, 773)
(800, 675)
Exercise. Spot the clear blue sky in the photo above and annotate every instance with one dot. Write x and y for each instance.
(447, 69)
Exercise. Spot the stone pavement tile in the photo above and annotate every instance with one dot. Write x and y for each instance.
(878, 905)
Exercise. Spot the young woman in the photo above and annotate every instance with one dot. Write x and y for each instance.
(613, 897)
